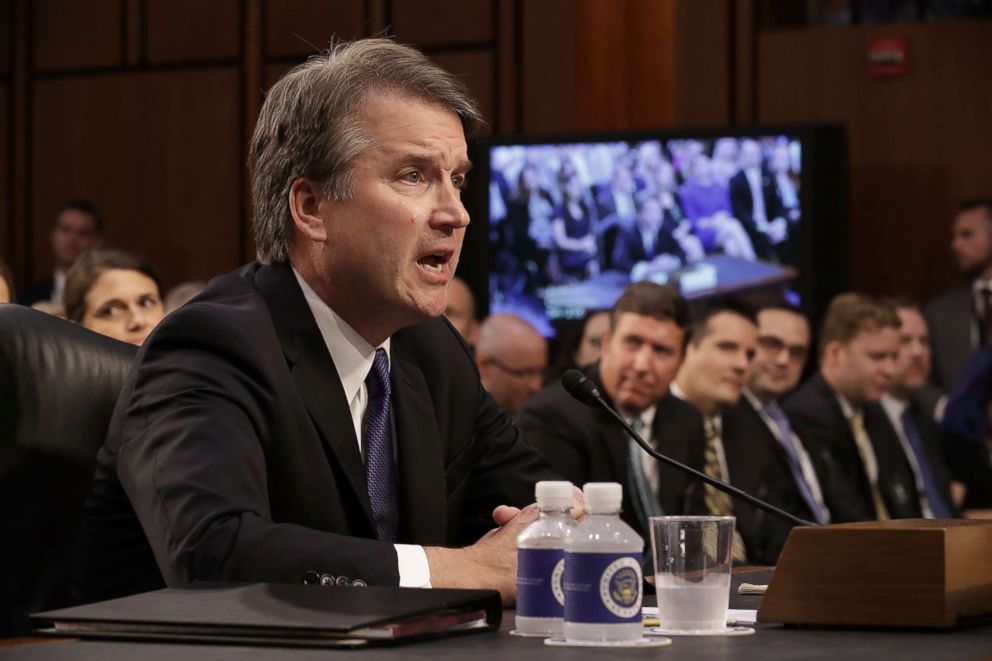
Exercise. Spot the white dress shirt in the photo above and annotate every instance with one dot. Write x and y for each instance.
(353, 358)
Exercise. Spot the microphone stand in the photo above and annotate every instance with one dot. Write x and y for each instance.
(717, 484)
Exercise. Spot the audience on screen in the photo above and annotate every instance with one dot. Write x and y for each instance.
(574, 230)
(114, 293)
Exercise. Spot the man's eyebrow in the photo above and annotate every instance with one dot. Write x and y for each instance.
(421, 159)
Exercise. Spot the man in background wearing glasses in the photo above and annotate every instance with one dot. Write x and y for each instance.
(785, 476)
(512, 357)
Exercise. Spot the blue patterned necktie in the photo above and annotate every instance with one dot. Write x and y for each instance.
(380, 471)
(940, 508)
(778, 416)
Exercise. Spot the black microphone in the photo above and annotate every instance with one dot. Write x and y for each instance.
(582, 388)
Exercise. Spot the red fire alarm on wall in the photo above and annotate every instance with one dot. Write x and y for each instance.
(887, 56)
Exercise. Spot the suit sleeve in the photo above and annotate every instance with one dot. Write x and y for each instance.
(838, 477)
(193, 463)
(555, 432)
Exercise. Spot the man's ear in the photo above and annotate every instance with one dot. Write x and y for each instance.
(305, 200)
(831, 352)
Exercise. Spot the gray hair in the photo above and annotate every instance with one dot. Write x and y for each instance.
(310, 126)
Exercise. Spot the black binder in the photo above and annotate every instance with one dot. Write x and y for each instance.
(279, 614)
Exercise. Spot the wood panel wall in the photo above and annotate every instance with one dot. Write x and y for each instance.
(919, 143)
(146, 106)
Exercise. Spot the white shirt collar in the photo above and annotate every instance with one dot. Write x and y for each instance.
(845, 406)
(715, 421)
(351, 353)
(978, 284)
(894, 407)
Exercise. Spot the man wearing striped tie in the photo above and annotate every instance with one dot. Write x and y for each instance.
(863, 471)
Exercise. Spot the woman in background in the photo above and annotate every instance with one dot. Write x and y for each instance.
(114, 293)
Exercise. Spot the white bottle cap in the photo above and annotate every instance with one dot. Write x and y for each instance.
(602, 497)
(553, 495)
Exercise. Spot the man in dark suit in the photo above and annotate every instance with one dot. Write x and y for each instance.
(960, 319)
(642, 350)
(911, 426)
(307, 418)
(648, 242)
(765, 456)
(755, 203)
(712, 377)
(78, 227)
(863, 473)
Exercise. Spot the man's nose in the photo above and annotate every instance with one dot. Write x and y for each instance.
(642, 359)
(449, 212)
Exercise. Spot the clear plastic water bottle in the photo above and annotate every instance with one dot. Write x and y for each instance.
(603, 577)
(541, 561)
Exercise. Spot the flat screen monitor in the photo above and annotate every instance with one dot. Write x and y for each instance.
(564, 224)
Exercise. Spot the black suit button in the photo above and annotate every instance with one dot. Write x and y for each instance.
(359, 583)
(326, 579)
(310, 578)
(344, 581)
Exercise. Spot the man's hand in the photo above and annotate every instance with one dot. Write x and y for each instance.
(492, 561)
(489, 563)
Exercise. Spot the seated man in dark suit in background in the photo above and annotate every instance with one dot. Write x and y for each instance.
(863, 471)
(649, 243)
(912, 426)
(716, 368)
(765, 456)
(308, 418)
(642, 350)
(755, 203)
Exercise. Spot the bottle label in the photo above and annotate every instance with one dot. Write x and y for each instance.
(539, 582)
(603, 588)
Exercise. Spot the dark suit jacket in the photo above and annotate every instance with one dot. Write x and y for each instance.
(951, 320)
(742, 203)
(759, 465)
(586, 444)
(40, 291)
(234, 442)
(819, 421)
(629, 248)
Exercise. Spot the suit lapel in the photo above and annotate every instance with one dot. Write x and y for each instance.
(420, 462)
(314, 374)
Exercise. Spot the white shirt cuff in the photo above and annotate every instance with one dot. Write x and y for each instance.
(412, 562)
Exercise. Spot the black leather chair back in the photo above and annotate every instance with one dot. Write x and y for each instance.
(59, 383)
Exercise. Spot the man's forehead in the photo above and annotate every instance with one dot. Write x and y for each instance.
(782, 322)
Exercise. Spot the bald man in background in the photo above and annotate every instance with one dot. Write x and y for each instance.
(460, 310)
(512, 357)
